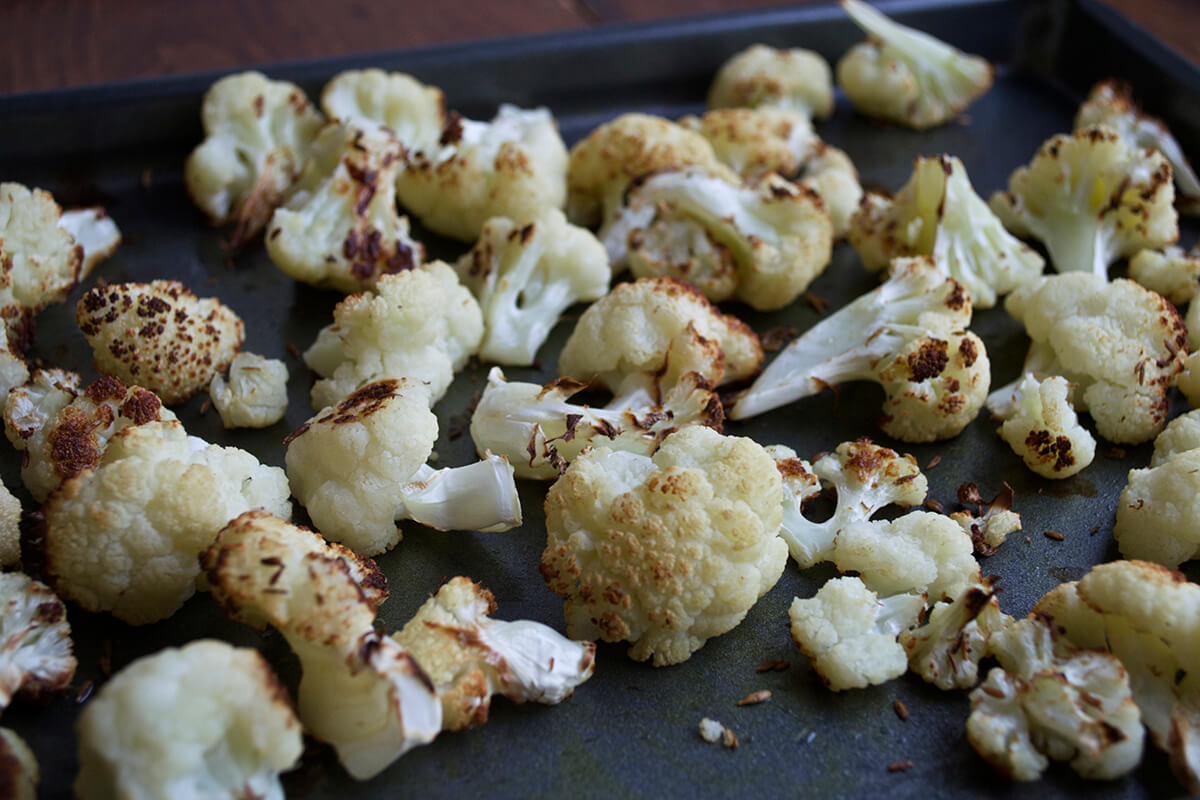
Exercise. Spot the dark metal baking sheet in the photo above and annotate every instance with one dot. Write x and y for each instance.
(631, 730)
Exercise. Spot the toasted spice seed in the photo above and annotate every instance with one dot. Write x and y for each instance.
(1094, 531)
(205, 406)
(1028, 540)
(900, 766)
(754, 698)
(1055, 535)
(933, 462)
(934, 505)
(729, 739)
(900, 709)
(819, 304)
(1116, 453)
(773, 665)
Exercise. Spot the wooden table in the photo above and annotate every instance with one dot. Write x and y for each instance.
(47, 44)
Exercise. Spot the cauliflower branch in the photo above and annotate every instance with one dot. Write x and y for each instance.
(35, 658)
(525, 276)
(796, 80)
(947, 649)
(907, 76)
(255, 396)
(665, 551)
(1041, 427)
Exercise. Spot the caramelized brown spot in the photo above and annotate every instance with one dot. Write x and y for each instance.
(929, 361)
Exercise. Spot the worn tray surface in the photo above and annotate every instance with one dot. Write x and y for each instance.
(631, 729)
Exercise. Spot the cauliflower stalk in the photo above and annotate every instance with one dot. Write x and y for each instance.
(35, 658)
(796, 80)
(1041, 427)
(359, 466)
(1091, 198)
(526, 275)
(255, 396)
(938, 213)
(907, 76)
(762, 245)
(664, 551)
(907, 335)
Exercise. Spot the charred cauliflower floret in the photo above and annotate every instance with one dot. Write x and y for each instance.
(1041, 427)
(359, 466)
(123, 537)
(1051, 700)
(1091, 199)
(255, 396)
(947, 649)
(668, 551)
(762, 245)
(906, 76)
(258, 133)
(159, 335)
(469, 656)
(64, 430)
(907, 335)
(371, 98)
(1171, 272)
(205, 720)
(1158, 515)
(937, 213)
(41, 260)
(641, 338)
(35, 657)
(1121, 345)
(340, 228)
(511, 167)
(360, 691)
(603, 164)
(755, 142)
(760, 76)
(525, 274)
(422, 324)
(849, 633)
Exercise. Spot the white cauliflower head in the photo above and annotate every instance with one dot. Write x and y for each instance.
(832, 175)
(123, 537)
(1171, 272)
(755, 142)
(797, 80)
(64, 429)
(258, 133)
(469, 656)
(1180, 435)
(421, 324)
(1121, 345)
(1158, 514)
(642, 337)
(40, 262)
(371, 98)
(159, 335)
(19, 771)
(255, 396)
(339, 227)
(947, 649)
(762, 245)
(360, 690)
(10, 528)
(1091, 198)
(203, 721)
(668, 551)
(525, 275)
(906, 76)
(849, 633)
(511, 167)
(938, 213)
(1050, 700)
(1041, 427)
(35, 657)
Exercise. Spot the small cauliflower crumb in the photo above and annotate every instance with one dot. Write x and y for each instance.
(713, 732)
(255, 396)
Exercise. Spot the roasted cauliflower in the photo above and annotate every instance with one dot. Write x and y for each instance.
(797, 80)
(255, 396)
(370, 98)
(1041, 427)
(35, 657)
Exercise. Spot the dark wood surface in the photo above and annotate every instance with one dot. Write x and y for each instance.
(47, 44)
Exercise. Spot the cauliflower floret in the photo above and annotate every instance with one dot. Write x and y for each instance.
(526, 275)
(95, 232)
(938, 213)
(1149, 618)
(906, 335)
(1041, 427)
(1091, 199)
(1188, 380)
(19, 769)
(760, 76)
(204, 721)
(602, 166)
(540, 432)
(42, 261)
(907, 76)
(947, 649)
(1180, 435)
(360, 466)
(668, 551)
(1111, 103)
(470, 657)
(762, 245)
(360, 690)
(1170, 272)
(124, 537)
(994, 521)
(641, 338)
(512, 167)
(1158, 515)
(831, 174)
(1049, 698)
(371, 98)
(850, 633)
(35, 657)
(866, 477)
(421, 324)
(755, 142)
(64, 430)
(10, 530)
(255, 396)
(159, 335)
(258, 133)
(1121, 345)
(339, 227)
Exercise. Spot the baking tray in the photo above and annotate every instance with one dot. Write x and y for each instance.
(631, 730)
